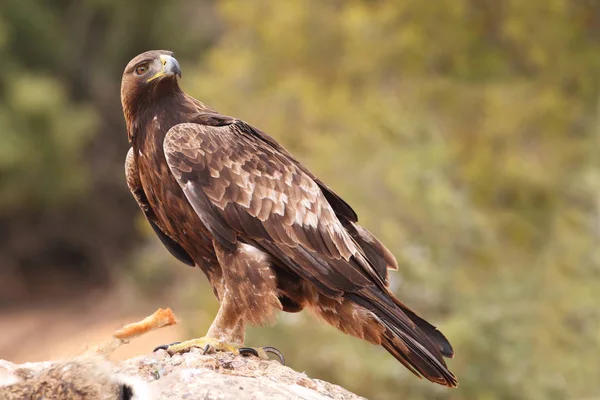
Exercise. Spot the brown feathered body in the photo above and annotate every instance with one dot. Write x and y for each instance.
(268, 234)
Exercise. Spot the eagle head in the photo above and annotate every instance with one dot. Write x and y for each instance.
(147, 77)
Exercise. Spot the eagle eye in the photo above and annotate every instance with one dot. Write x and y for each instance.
(141, 69)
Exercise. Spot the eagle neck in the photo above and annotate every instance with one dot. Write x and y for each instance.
(155, 116)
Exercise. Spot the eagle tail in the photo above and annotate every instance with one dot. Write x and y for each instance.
(431, 331)
(418, 345)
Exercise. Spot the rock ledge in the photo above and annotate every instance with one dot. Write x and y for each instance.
(190, 376)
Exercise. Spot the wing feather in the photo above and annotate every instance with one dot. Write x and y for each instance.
(341, 208)
(284, 202)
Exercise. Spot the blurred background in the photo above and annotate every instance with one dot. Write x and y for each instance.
(465, 133)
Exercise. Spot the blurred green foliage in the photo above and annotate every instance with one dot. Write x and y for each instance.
(66, 214)
(464, 133)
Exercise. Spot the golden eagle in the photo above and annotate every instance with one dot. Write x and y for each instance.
(268, 234)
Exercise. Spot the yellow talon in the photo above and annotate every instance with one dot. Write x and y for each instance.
(209, 344)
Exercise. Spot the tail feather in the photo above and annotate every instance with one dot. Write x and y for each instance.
(388, 344)
(414, 342)
(434, 334)
(413, 352)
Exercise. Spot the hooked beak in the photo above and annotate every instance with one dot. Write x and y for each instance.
(170, 67)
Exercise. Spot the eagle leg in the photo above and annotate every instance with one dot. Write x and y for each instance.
(226, 333)
(247, 292)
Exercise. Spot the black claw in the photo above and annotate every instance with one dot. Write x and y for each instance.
(164, 346)
(277, 353)
(206, 349)
(248, 351)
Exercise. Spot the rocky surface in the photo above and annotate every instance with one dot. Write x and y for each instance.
(190, 376)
